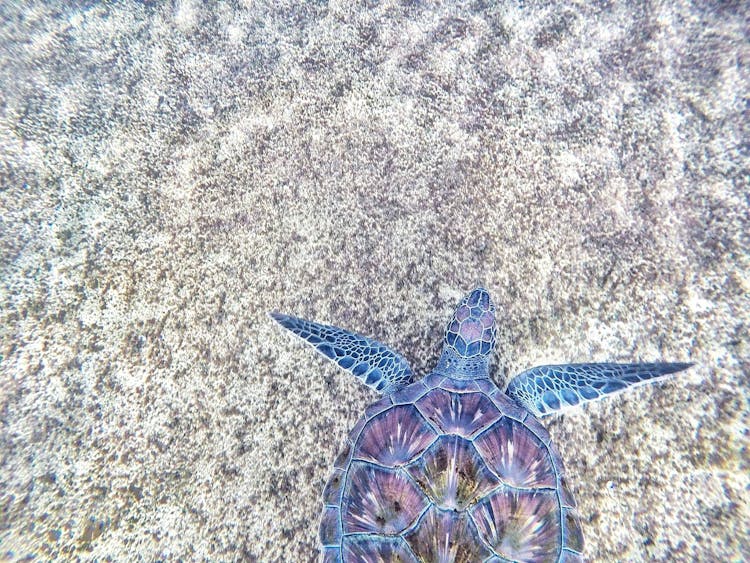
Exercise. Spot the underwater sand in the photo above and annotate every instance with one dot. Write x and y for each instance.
(171, 173)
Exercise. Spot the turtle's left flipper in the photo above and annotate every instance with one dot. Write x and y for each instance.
(544, 390)
(376, 365)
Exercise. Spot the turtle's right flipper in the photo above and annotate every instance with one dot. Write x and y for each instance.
(376, 365)
(544, 390)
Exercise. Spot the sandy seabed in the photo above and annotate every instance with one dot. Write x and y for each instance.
(171, 172)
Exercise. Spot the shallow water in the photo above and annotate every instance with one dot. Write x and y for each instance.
(170, 173)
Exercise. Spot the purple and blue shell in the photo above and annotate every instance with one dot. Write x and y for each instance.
(449, 470)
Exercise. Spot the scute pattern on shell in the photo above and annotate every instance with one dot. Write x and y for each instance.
(449, 471)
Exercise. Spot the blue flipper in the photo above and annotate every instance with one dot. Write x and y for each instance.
(544, 390)
(376, 365)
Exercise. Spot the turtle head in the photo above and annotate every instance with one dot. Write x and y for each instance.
(469, 337)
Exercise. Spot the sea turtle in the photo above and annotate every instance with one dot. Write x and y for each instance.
(451, 468)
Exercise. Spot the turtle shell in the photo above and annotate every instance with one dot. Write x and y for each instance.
(448, 470)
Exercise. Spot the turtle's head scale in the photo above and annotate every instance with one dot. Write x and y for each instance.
(469, 337)
(471, 331)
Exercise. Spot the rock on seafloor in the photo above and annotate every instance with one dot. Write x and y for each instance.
(170, 172)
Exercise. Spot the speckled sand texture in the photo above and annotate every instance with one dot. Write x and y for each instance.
(170, 172)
